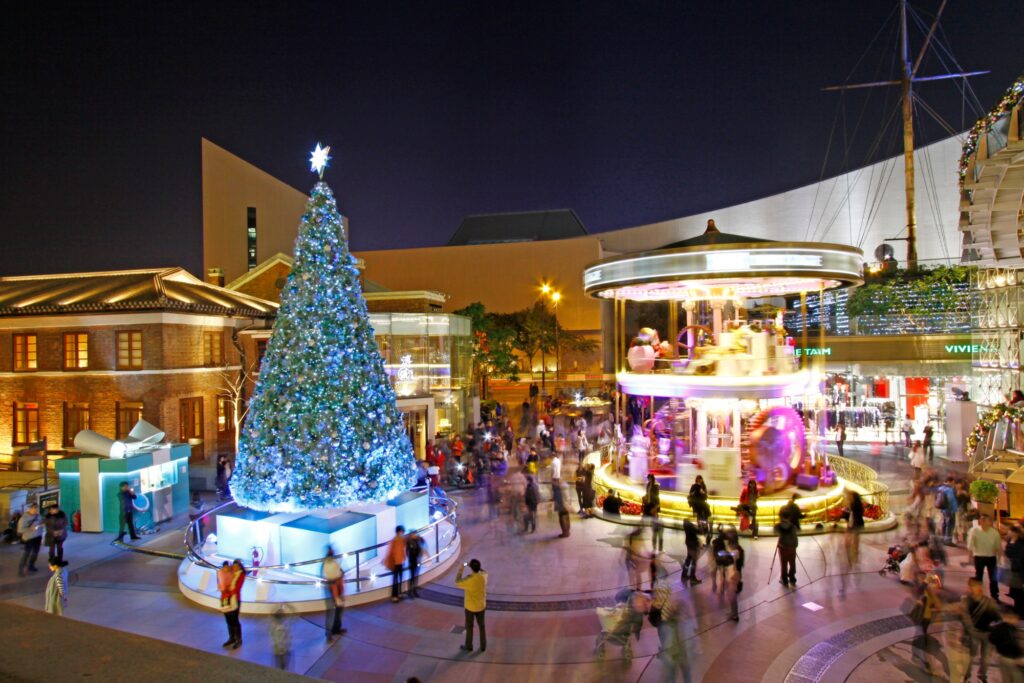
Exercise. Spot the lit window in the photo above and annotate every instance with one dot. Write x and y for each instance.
(129, 350)
(25, 355)
(213, 353)
(128, 414)
(26, 423)
(76, 418)
(250, 237)
(191, 414)
(225, 423)
(76, 351)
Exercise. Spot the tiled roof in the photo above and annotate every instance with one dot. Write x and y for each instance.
(156, 289)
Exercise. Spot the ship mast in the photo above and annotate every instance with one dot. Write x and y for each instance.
(908, 76)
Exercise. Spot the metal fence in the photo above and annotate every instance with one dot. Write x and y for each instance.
(863, 476)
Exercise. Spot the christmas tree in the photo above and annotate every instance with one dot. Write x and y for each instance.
(323, 430)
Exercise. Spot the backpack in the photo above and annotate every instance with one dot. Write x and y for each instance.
(941, 501)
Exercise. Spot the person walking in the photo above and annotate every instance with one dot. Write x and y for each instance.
(1005, 637)
(474, 602)
(395, 562)
(651, 509)
(231, 603)
(927, 608)
(57, 588)
(30, 531)
(56, 522)
(840, 436)
(280, 639)
(929, 448)
(692, 539)
(787, 545)
(945, 502)
(556, 469)
(1014, 553)
(531, 497)
(984, 548)
(561, 509)
(126, 508)
(734, 576)
(413, 550)
(334, 577)
(581, 485)
(664, 616)
(748, 505)
(978, 613)
(917, 459)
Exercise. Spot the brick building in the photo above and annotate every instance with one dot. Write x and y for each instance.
(100, 350)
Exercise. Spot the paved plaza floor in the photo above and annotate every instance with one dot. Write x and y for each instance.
(542, 621)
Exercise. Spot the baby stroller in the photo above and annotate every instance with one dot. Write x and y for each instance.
(622, 622)
(893, 556)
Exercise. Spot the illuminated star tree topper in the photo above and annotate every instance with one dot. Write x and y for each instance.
(318, 160)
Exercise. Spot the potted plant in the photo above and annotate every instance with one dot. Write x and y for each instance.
(984, 494)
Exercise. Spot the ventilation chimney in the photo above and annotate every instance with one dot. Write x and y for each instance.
(215, 276)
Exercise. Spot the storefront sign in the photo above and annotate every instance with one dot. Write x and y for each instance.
(815, 351)
(968, 348)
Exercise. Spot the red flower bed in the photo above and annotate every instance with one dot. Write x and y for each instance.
(628, 507)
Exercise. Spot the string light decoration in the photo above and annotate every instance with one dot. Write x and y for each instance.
(1013, 95)
(323, 430)
(989, 420)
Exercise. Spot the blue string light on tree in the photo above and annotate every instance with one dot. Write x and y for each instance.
(323, 430)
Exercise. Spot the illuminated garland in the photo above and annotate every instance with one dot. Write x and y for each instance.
(1011, 98)
(988, 421)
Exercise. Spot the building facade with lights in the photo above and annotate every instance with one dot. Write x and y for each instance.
(100, 350)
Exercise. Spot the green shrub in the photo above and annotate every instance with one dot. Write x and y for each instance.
(984, 491)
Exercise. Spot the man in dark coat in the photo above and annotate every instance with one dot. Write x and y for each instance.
(127, 512)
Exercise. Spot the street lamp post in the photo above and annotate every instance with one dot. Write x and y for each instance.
(555, 298)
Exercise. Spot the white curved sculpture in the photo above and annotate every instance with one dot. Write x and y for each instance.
(143, 435)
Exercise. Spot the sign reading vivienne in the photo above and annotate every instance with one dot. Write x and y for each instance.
(967, 348)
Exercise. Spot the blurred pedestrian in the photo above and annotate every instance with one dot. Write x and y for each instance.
(926, 610)
(281, 639)
(413, 551)
(561, 509)
(395, 562)
(978, 613)
(916, 458)
(651, 509)
(840, 436)
(334, 576)
(692, 539)
(1005, 637)
(30, 531)
(531, 498)
(1014, 553)
(56, 522)
(664, 616)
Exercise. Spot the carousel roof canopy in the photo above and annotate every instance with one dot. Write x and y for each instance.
(723, 266)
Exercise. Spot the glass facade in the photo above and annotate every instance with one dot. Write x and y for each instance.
(429, 355)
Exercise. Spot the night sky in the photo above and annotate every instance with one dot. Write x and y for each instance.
(626, 112)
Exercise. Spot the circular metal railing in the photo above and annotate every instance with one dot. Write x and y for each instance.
(438, 504)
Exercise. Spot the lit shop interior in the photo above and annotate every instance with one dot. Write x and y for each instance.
(428, 357)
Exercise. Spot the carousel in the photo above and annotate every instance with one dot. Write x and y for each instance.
(722, 391)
